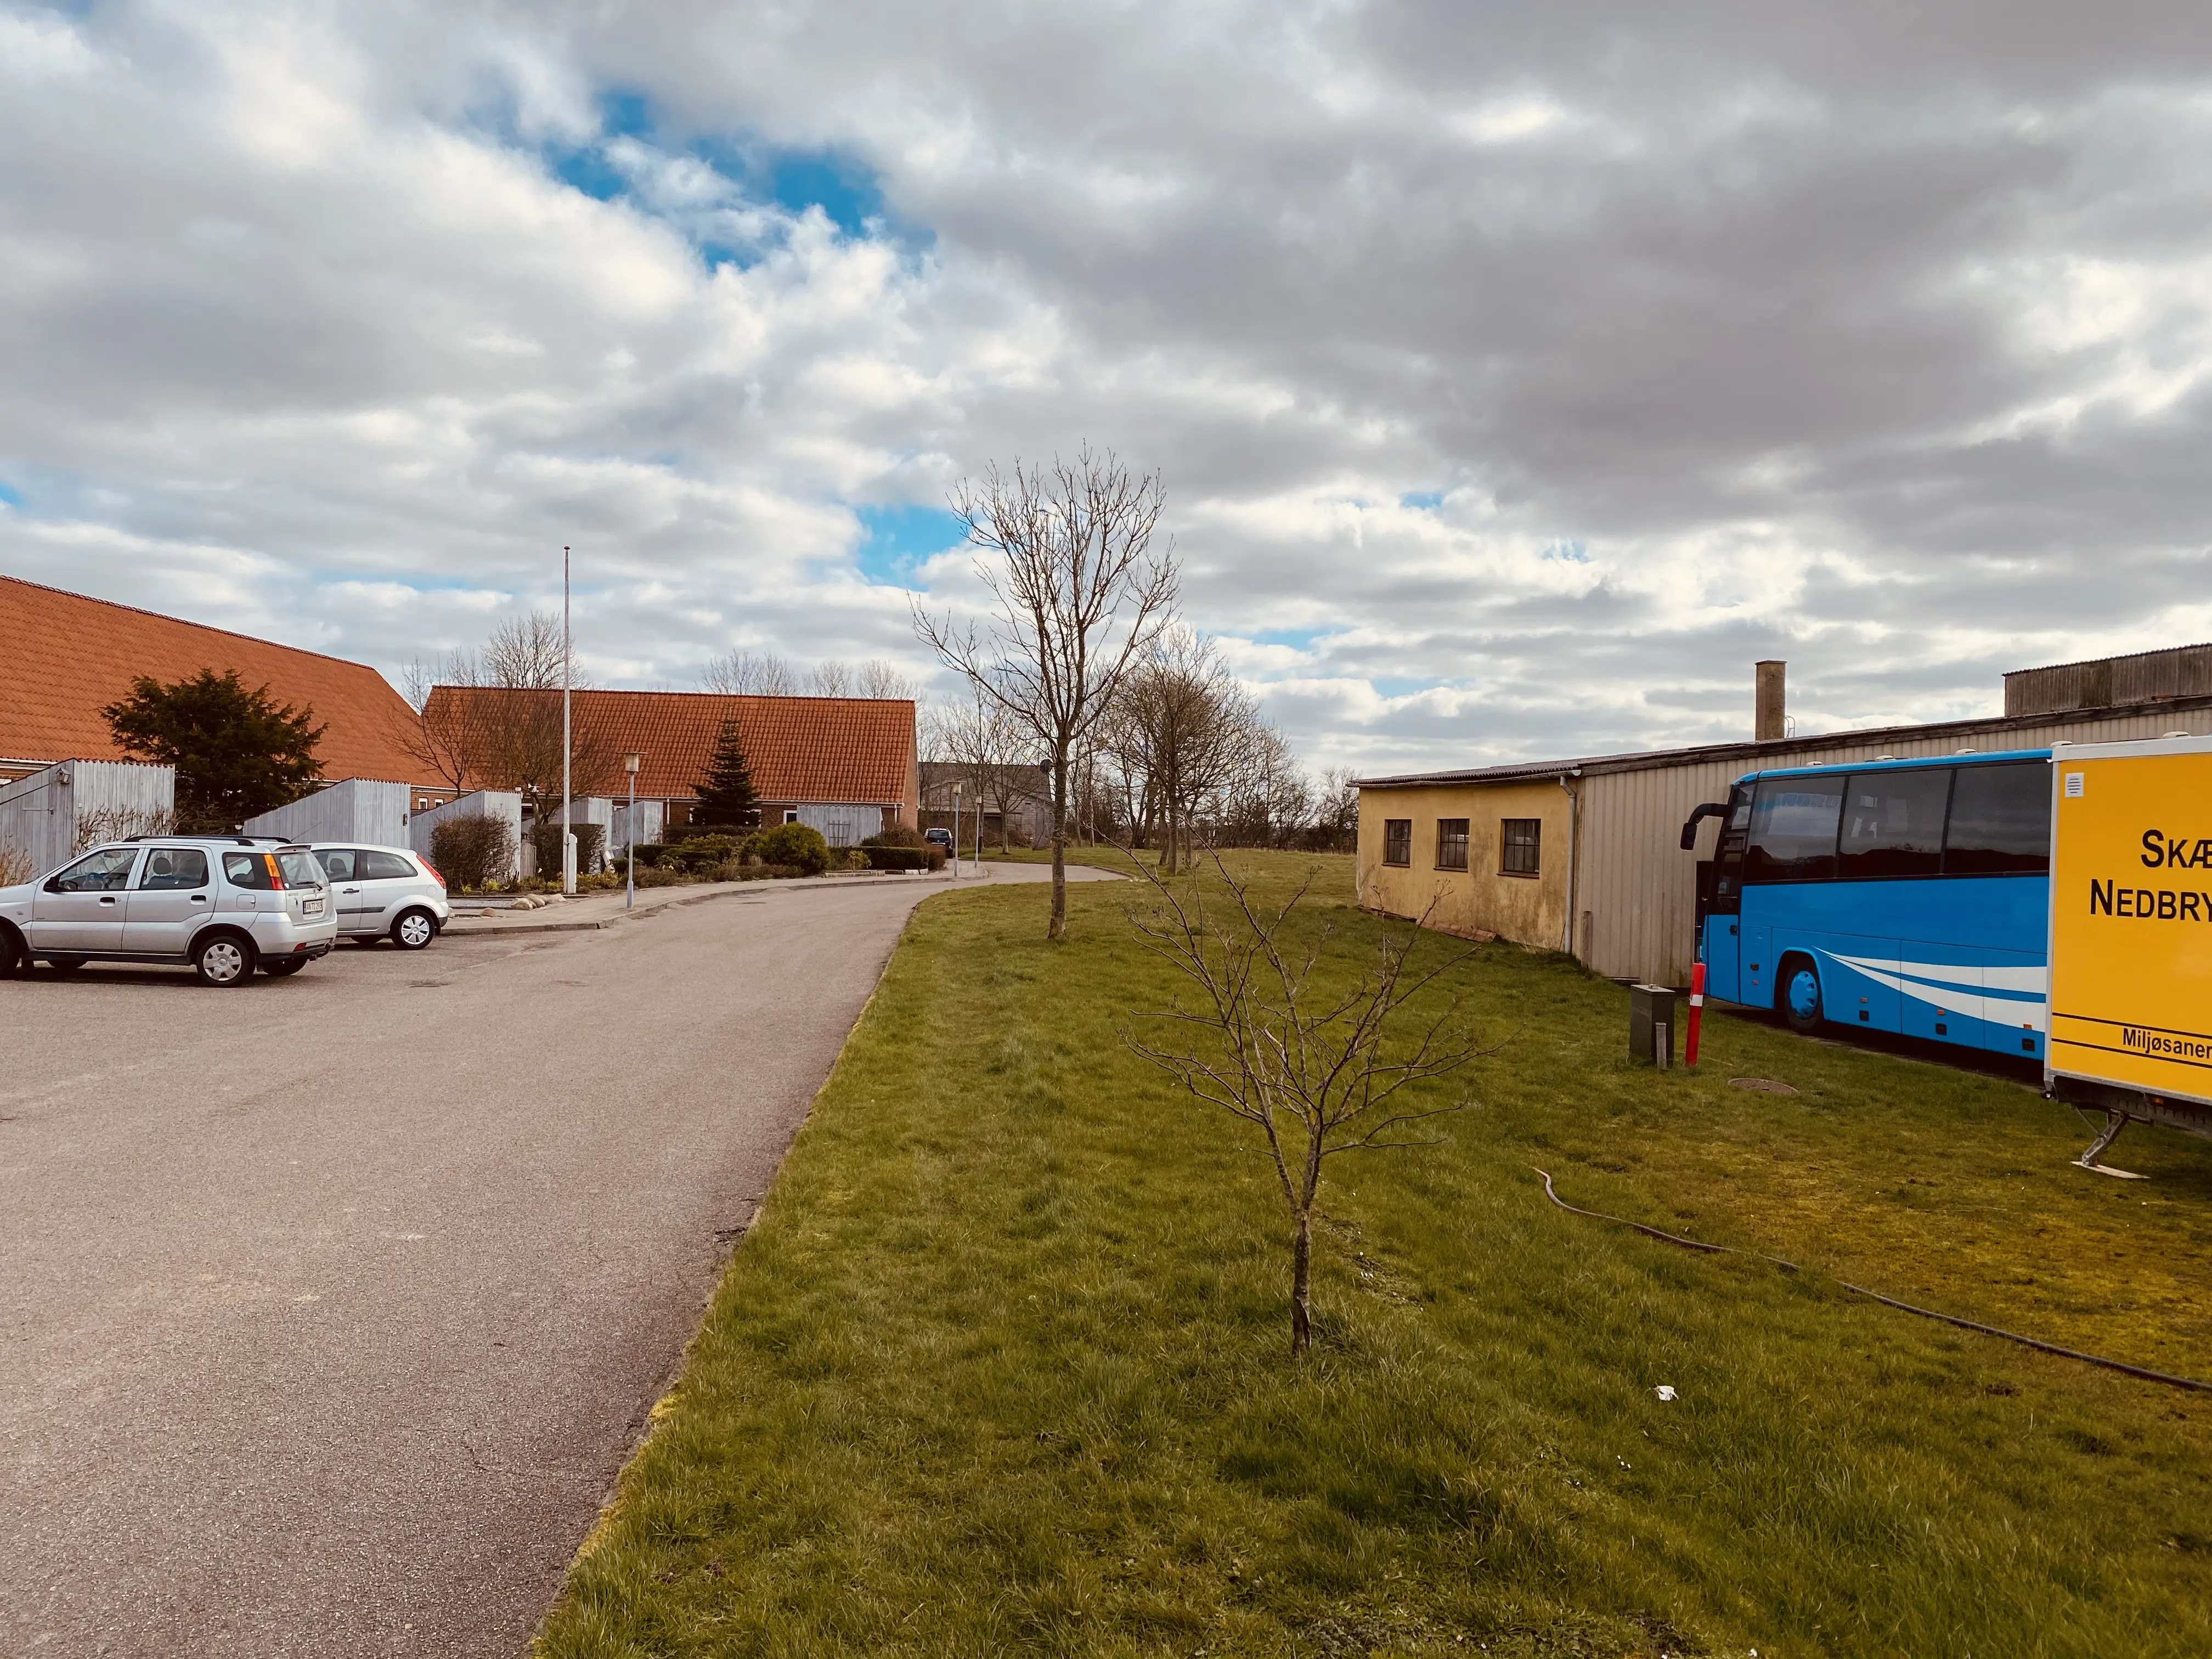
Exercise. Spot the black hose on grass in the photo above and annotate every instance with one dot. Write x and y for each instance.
(2120, 1365)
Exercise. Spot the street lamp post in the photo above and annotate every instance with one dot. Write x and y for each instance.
(955, 832)
(630, 837)
(568, 749)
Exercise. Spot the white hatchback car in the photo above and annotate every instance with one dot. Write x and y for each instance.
(385, 890)
(225, 904)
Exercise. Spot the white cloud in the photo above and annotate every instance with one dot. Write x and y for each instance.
(1517, 378)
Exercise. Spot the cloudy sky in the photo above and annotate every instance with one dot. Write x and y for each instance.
(1518, 374)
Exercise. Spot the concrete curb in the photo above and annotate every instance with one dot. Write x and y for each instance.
(759, 889)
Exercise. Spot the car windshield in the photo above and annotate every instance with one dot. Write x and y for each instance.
(299, 868)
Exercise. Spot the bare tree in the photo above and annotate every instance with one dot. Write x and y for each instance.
(436, 736)
(1335, 811)
(1079, 595)
(990, 751)
(741, 673)
(830, 680)
(1317, 1066)
(492, 720)
(882, 681)
(1184, 732)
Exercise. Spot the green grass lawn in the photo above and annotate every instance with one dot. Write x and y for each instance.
(1004, 1365)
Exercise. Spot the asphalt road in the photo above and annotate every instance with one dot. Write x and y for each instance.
(330, 1307)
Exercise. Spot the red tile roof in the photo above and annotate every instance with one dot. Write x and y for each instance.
(857, 751)
(65, 656)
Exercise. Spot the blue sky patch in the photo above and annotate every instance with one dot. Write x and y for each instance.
(895, 540)
(1298, 639)
(13, 497)
(1391, 686)
(848, 192)
(844, 190)
(1568, 553)
(1424, 500)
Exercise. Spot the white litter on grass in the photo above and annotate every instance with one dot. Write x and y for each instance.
(1665, 1391)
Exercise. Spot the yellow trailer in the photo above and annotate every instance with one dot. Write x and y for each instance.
(2131, 1004)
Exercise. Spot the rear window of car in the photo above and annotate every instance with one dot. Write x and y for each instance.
(299, 869)
(384, 866)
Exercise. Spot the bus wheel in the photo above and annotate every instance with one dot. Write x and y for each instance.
(1800, 994)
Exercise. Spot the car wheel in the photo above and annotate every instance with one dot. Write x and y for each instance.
(1800, 996)
(14, 958)
(414, 930)
(284, 966)
(224, 961)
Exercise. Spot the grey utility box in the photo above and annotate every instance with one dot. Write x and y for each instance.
(1651, 1024)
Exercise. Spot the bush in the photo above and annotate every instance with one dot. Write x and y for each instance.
(648, 853)
(545, 837)
(472, 853)
(650, 875)
(905, 858)
(793, 844)
(899, 835)
(701, 854)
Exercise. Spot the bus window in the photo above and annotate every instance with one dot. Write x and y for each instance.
(1894, 824)
(1793, 829)
(2000, 821)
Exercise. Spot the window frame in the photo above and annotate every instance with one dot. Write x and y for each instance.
(1508, 846)
(1445, 837)
(1398, 835)
(140, 883)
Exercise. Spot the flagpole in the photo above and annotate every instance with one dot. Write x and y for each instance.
(567, 752)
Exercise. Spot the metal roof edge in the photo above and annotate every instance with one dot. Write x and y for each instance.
(1653, 759)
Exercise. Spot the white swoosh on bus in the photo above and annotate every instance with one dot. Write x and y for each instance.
(1959, 996)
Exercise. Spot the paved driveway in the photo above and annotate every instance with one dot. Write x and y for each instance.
(330, 1307)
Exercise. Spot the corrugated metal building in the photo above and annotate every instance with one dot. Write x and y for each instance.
(365, 809)
(1584, 854)
(58, 812)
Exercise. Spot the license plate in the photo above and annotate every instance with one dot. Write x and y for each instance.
(312, 907)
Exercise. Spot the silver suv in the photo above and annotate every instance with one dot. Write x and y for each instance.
(386, 890)
(225, 904)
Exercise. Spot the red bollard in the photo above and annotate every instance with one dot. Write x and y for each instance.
(1697, 1013)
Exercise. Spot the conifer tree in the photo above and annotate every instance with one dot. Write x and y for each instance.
(725, 795)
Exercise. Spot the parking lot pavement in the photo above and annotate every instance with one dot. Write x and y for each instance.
(333, 1304)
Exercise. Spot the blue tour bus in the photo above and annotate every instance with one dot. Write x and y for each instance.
(1904, 895)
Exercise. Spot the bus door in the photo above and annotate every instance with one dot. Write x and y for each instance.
(1723, 954)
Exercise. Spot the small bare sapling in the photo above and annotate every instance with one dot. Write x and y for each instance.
(1274, 1036)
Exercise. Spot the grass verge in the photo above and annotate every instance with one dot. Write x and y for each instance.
(1003, 1367)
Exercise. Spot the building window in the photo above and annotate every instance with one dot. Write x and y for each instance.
(791, 815)
(1521, 840)
(1397, 841)
(1451, 843)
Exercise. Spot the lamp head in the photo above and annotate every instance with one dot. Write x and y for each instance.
(630, 763)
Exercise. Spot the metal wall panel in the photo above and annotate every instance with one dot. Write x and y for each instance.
(53, 814)
(841, 825)
(2111, 682)
(364, 810)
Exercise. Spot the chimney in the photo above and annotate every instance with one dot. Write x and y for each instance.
(1766, 718)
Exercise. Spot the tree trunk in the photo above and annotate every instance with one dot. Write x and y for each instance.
(1058, 929)
(1301, 1285)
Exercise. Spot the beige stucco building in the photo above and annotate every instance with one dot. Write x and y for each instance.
(1603, 873)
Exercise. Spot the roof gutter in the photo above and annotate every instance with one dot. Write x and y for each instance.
(1574, 845)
